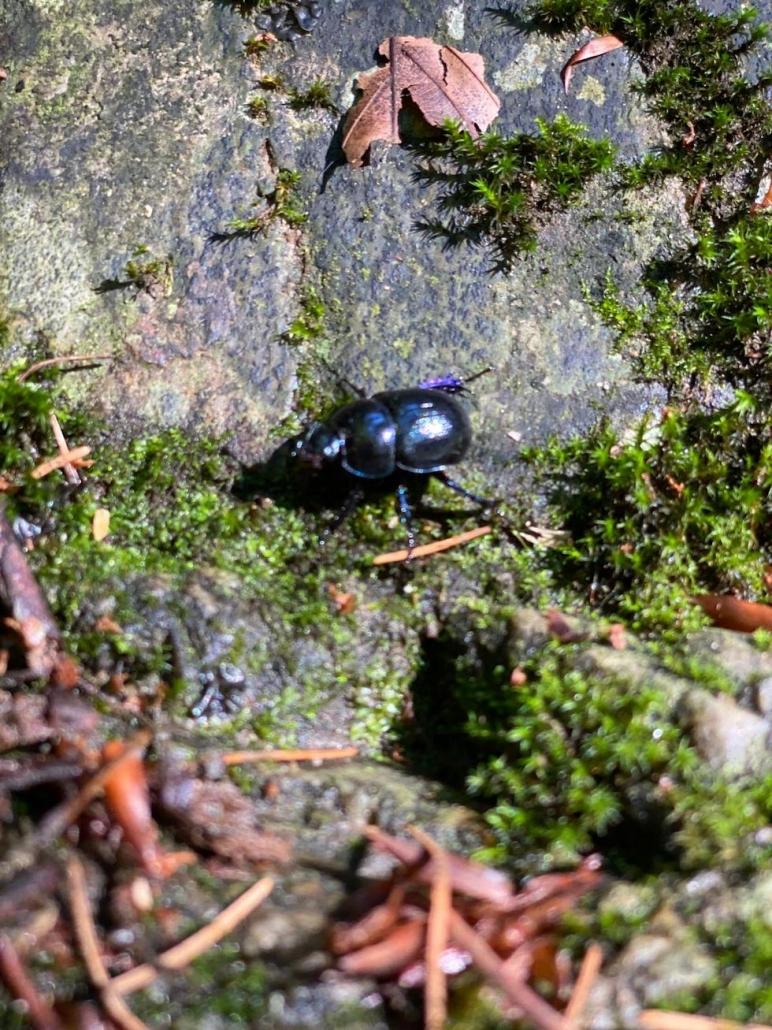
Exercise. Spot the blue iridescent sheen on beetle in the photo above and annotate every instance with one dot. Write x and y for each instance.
(396, 435)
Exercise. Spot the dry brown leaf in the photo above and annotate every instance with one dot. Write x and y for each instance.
(443, 82)
(732, 613)
(595, 48)
(100, 524)
(764, 202)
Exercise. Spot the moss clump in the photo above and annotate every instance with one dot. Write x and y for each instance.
(258, 109)
(694, 79)
(710, 313)
(496, 190)
(678, 507)
(144, 273)
(566, 751)
(282, 203)
(317, 95)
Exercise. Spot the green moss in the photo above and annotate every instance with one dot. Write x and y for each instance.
(220, 984)
(282, 203)
(256, 46)
(694, 80)
(144, 273)
(497, 190)
(709, 316)
(258, 109)
(566, 752)
(677, 507)
(317, 95)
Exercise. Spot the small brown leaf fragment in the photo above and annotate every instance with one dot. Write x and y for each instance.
(443, 82)
(616, 636)
(215, 816)
(688, 138)
(595, 48)
(764, 202)
(730, 612)
(100, 524)
(344, 602)
(128, 800)
(105, 624)
(559, 627)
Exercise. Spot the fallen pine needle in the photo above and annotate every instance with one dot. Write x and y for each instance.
(313, 754)
(68, 458)
(182, 954)
(65, 359)
(656, 1019)
(542, 1015)
(437, 933)
(88, 942)
(70, 472)
(588, 971)
(433, 548)
(17, 982)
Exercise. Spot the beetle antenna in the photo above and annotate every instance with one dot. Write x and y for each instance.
(478, 375)
(341, 380)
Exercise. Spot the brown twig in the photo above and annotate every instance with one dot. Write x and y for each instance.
(20, 593)
(519, 994)
(433, 548)
(63, 360)
(588, 971)
(77, 454)
(70, 472)
(19, 985)
(313, 754)
(437, 932)
(85, 932)
(182, 954)
(656, 1019)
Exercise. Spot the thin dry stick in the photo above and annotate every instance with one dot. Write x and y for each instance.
(18, 984)
(542, 1015)
(57, 821)
(319, 754)
(52, 464)
(656, 1019)
(70, 472)
(588, 971)
(433, 548)
(86, 934)
(437, 931)
(182, 954)
(63, 360)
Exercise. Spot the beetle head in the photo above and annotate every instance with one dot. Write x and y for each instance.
(319, 447)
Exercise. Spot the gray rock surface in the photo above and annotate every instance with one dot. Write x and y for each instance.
(126, 126)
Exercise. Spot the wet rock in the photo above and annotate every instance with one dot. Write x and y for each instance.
(727, 736)
(134, 132)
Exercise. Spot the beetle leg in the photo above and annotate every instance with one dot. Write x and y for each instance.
(406, 518)
(352, 499)
(459, 489)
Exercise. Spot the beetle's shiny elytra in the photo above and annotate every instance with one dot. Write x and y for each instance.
(418, 431)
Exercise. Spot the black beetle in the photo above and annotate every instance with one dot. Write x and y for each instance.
(397, 436)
